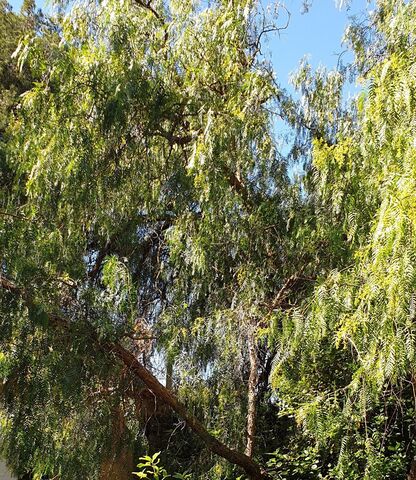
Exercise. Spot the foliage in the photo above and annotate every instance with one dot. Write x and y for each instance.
(360, 319)
(145, 181)
(150, 469)
(144, 202)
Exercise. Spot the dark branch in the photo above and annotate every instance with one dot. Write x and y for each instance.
(292, 282)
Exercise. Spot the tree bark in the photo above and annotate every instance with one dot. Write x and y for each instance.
(252, 397)
(412, 471)
(252, 469)
(169, 373)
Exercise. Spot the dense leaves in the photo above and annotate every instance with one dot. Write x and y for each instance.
(360, 318)
(145, 210)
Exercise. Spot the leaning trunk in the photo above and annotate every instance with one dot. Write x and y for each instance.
(252, 469)
(252, 397)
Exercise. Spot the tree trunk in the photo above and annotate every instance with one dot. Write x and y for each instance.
(412, 470)
(119, 464)
(169, 373)
(252, 397)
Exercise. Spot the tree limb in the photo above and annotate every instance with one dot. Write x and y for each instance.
(252, 469)
(292, 282)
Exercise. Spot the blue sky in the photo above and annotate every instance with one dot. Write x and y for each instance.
(316, 34)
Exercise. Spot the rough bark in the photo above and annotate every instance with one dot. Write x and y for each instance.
(412, 471)
(169, 373)
(252, 396)
(252, 469)
(119, 464)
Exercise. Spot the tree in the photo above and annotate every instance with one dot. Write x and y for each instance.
(147, 219)
(360, 317)
(146, 213)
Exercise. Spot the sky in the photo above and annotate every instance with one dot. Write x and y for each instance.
(316, 34)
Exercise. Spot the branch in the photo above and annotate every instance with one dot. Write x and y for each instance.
(148, 6)
(238, 185)
(175, 139)
(256, 44)
(293, 281)
(12, 215)
(110, 246)
(252, 469)
(92, 274)
(252, 396)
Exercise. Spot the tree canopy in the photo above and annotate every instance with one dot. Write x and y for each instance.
(167, 283)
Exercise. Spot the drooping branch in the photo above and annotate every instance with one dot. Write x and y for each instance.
(252, 469)
(148, 6)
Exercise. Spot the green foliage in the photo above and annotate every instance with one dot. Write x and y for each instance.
(296, 464)
(151, 470)
(144, 200)
(347, 352)
(145, 182)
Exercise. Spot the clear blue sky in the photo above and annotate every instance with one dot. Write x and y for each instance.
(316, 34)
